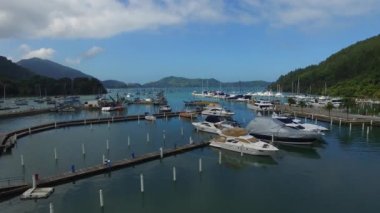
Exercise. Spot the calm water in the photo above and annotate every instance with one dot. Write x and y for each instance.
(340, 175)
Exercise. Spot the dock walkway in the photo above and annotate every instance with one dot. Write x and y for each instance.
(10, 139)
(7, 193)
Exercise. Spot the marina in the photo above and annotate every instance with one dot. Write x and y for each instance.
(86, 139)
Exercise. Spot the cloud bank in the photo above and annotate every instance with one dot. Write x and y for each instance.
(106, 18)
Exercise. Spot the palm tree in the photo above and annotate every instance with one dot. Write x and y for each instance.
(348, 103)
(329, 106)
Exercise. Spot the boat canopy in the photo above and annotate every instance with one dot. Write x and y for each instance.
(235, 132)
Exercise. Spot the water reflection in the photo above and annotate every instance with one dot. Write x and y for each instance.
(235, 161)
(301, 151)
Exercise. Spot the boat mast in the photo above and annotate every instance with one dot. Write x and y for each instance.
(298, 86)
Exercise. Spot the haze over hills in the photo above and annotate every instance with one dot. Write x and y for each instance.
(51, 69)
(353, 72)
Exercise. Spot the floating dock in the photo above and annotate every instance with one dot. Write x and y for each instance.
(37, 193)
(98, 169)
(10, 139)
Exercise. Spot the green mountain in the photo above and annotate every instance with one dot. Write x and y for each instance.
(186, 82)
(20, 81)
(352, 72)
(51, 69)
(114, 84)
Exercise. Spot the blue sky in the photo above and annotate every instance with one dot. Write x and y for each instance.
(145, 40)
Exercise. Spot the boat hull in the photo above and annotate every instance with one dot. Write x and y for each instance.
(241, 149)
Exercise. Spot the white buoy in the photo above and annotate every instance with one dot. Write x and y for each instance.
(272, 138)
(350, 127)
(181, 130)
(138, 119)
(367, 131)
(312, 116)
(174, 174)
(129, 141)
(108, 145)
(340, 122)
(200, 164)
(362, 127)
(316, 120)
(51, 208)
(305, 119)
(161, 153)
(83, 149)
(331, 122)
(190, 140)
(30, 131)
(371, 122)
(101, 198)
(141, 183)
(84, 121)
(220, 157)
(104, 159)
(147, 136)
(55, 124)
(22, 160)
(55, 154)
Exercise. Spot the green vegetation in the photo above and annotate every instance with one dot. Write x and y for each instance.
(19, 81)
(351, 72)
(291, 101)
(329, 106)
(114, 84)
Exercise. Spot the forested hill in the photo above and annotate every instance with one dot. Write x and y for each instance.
(353, 72)
(173, 81)
(19, 81)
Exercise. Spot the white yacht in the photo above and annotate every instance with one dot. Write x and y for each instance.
(297, 124)
(238, 140)
(214, 124)
(149, 117)
(217, 111)
(261, 105)
(165, 108)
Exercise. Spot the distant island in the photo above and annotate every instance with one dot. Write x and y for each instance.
(352, 72)
(173, 81)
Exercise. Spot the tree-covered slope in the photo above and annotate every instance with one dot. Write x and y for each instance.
(353, 71)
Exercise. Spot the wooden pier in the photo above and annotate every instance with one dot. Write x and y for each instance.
(10, 192)
(10, 139)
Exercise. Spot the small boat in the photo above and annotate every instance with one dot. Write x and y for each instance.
(217, 111)
(20, 102)
(149, 117)
(112, 108)
(165, 108)
(261, 105)
(238, 140)
(188, 114)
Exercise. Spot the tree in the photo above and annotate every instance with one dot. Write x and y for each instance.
(291, 101)
(348, 103)
(302, 104)
(329, 106)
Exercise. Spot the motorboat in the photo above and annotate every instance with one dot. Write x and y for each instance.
(267, 128)
(113, 108)
(217, 111)
(214, 124)
(188, 114)
(261, 105)
(238, 140)
(149, 117)
(297, 124)
(21, 102)
(165, 108)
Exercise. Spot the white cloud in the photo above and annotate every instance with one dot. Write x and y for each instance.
(43, 53)
(105, 18)
(90, 53)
